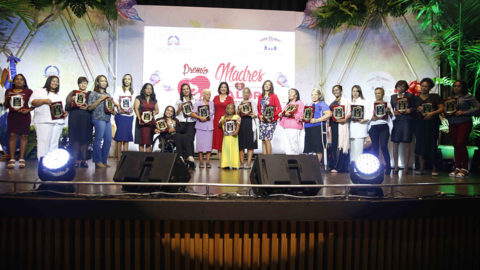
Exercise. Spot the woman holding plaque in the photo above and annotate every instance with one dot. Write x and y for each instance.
(247, 135)
(48, 123)
(18, 118)
(315, 126)
(358, 123)
(101, 115)
(220, 101)
(230, 124)
(80, 127)
(123, 99)
(204, 111)
(184, 114)
(290, 120)
(174, 129)
(269, 108)
(427, 122)
(146, 108)
(340, 131)
(460, 125)
(379, 130)
(403, 107)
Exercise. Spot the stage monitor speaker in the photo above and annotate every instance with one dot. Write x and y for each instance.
(286, 170)
(151, 167)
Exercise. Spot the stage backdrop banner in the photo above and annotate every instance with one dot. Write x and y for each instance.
(204, 57)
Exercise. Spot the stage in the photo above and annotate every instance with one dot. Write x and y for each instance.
(100, 227)
(402, 188)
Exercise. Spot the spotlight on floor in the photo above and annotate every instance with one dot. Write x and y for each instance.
(57, 165)
(367, 169)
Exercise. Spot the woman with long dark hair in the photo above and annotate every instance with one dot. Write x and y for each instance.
(18, 121)
(358, 128)
(48, 129)
(292, 122)
(185, 116)
(429, 106)
(123, 98)
(101, 121)
(145, 102)
(268, 125)
(220, 102)
(175, 129)
(460, 126)
(80, 127)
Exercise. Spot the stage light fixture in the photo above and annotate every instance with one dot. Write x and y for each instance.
(57, 165)
(367, 169)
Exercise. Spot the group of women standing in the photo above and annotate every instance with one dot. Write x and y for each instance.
(231, 129)
(414, 121)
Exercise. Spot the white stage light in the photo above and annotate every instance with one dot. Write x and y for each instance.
(367, 164)
(367, 169)
(56, 159)
(57, 165)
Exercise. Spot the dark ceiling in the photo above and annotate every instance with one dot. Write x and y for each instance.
(292, 5)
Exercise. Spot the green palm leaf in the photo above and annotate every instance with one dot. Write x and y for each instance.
(23, 9)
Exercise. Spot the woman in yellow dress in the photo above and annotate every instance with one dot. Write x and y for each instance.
(230, 124)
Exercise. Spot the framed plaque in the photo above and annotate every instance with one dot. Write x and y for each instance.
(308, 113)
(109, 106)
(79, 99)
(187, 108)
(56, 110)
(204, 111)
(290, 110)
(269, 112)
(402, 104)
(357, 112)
(125, 104)
(245, 108)
(380, 110)
(338, 112)
(427, 108)
(229, 127)
(450, 105)
(162, 125)
(17, 102)
(147, 117)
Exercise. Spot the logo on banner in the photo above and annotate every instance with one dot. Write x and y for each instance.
(51, 71)
(282, 80)
(173, 40)
(197, 85)
(155, 78)
(270, 43)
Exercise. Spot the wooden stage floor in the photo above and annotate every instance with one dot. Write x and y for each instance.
(217, 175)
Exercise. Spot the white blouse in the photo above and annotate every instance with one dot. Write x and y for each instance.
(120, 93)
(357, 129)
(180, 115)
(41, 114)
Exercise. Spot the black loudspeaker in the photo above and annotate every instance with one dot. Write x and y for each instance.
(286, 170)
(151, 167)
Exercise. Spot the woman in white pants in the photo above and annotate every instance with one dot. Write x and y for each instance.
(292, 123)
(358, 127)
(47, 129)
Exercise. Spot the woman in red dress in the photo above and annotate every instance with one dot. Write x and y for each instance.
(220, 102)
(146, 101)
(18, 121)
